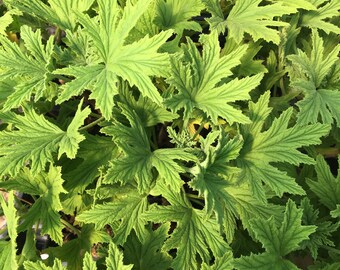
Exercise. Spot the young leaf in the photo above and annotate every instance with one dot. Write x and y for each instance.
(336, 212)
(36, 139)
(211, 179)
(139, 159)
(327, 187)
(194, 234)
(196, 80)
(59, 12)
(319, 18)
(277, 144)
(48, 187)
(114, 261)
(322, 235)
(123, 214)
(318, 100)
(277, 241)
(134, 62)
(31, 71)
(8, 249)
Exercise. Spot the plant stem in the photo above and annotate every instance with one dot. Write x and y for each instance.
(154, 136)
(57, 36)
(98, 185)
(197, 201)
(198, 131)
(70, 227)
(328, 152)
(331, 249)
(193, 196)
(23, 200)
(92, 124)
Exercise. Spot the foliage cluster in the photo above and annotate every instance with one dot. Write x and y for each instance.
(170, 134)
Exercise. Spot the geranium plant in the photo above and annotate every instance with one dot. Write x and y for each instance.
(170, 134)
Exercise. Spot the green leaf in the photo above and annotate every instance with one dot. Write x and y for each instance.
(336, 212)
(318, 100)
(134, 62)
(213, 174)
(48, 187)
(194, 234)
(94, 152)
(139, 160)
(175, 14)
(6, 20)
(32, 71)
(57, 265)
(197, 77)
(297, 4)
(148, 254)
(263, 261)
(248, 17)
(8, 249)
(73, 250)
(123, 214)
(29, 251)
(248, 65)
(327, 187)
(221, 263)
(88, 262)
(217, 21)
(277, 241)
(319, 18)
(322, 237)
(36, 139)
(248, 207)
(277, 144)
(58, 12)
(150, 113)
(114, 261)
